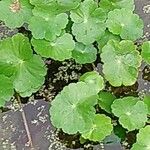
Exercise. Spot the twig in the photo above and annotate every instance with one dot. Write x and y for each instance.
(25, 121)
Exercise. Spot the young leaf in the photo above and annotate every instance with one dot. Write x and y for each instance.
(73, 109)
(146, 51)
(105, 100)
(105, 38)
(47, 23)
(88, 22)
(17, 60)
(142, 139)
(124, 23)
(84, 53)
(109, 5)
(100, 128)
(59, 49)
(6, 89)
(132, 113)
(15, 12)
(121, 67)
(95, 80)
(147, 102)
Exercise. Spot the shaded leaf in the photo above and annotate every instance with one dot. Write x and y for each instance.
(17, 61)
(6, 89)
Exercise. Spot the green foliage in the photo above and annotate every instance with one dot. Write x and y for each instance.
(59, 49)
(147, 102)
(124, 23)
(105, 100)
(15, 14)
(89, 22)
(146, 51)
(121, 67)
(109, 5)
(100, 128)
(131, 111)
(94, 80)
(17, 61)
(84, 53)
(76, 108)
(6, 89)
(142, 139)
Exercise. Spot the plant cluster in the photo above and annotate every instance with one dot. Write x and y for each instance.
(81, 30)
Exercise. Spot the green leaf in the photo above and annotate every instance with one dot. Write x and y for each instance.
(89, 22)
(15, 14)
(94, 80)
(147, 102)
(105, 38)
(47, 23)
(59, 49)
(6, 89)
(142, 139)
(84, 53)
(17, 61)
(100, 128)
(124, 23)
(109, 5)
(73, 110)
(131, 111)
(121, 67)
(64, 5)
(105, 100)
(146, 51)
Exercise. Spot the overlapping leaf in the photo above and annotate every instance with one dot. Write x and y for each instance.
(100, 128)
(6, 89)
(109, 5)
(124, 23)
(17, 61)
(72, 110)
(84, 53)
(105, 100)
(94, 80)
(147, 102)
(132, 113)
(142, 142)
(59, 49)
(146, 51)
(121, 67)
(15, 13)
(88, 22)
(47, 22)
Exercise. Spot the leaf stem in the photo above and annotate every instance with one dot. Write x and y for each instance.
(24, 121)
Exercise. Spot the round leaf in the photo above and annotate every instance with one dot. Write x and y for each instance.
(100, 128)
(84, 53)
(147, 102)
(121, 67)
(146, 51)
(59, 49)
(142, 139)
(15, 13)
(88, 22)
(94, 80)
(47, 24)
(132, 113)
(124, 23)
(109, 5)
(73, 110)
(105, 100)
(17, 60)
(6, 89)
